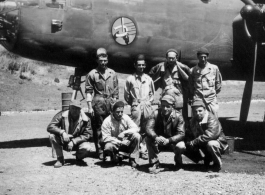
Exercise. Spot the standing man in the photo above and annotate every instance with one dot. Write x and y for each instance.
(206, 139)
(165, 129)
(139, 94)
(70, 130)
(205, 82)
(120, 133)
(103, 83)
(172, 76)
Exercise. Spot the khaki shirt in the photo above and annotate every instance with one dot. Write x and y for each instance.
(139, 88)
(205, 83)
(171, 77)
(111, 128)
(106, 85)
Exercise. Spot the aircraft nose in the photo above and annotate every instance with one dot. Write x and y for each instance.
(9, 19)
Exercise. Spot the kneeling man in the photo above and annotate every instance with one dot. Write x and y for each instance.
(206, 137)
(70, 130)
(121, 134)
(165, 129)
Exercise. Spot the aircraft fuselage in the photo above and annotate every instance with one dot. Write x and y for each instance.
(69, 32)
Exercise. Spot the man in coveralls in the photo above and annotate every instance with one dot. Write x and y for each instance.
(103, 83)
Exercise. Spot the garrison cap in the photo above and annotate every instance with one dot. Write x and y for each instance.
(203, 50)
(172, 50)
(75, 103)
(198, 103)
(117, 105)
(169, 99)
(101, 52)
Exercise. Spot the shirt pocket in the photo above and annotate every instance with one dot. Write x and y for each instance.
(210, 80)
(99, 84)
(175, 78)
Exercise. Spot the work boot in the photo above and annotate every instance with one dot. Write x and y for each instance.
(215, 168)
(155, 168)
(178, 162)
(133, 163)
(59, 163)
(80, 162)
(101, 155)
(206, 162)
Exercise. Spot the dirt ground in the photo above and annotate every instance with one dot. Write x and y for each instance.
(26, 166)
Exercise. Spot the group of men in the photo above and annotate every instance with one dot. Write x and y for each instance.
(119, 136)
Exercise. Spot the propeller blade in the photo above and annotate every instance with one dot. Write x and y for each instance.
(246, 99)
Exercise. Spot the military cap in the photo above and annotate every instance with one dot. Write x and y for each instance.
(172, 50)
(203, 50)
(198, 103)
(101, 52)
(169, 99)
(117, 105)
(139, 57)
(75, 103)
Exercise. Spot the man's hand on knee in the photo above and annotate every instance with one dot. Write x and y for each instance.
(160, 140)
(70, 146)
(190, 146)
(66, 137)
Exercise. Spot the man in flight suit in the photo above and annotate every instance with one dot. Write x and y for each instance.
(172, 77)
(139, 94)
(103, 83)
(205, 82)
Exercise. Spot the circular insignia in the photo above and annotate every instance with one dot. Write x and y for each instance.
(124, 31)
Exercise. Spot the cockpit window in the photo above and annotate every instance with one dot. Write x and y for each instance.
(7, 5)
(81, 4)
(57, 4)
(28, 2)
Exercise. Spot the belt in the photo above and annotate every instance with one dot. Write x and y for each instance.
(102, 95)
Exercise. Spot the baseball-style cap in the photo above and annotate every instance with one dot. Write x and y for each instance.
(101, 52)
(169, 99)
(75, 103)
(203, 50)
(198, 103)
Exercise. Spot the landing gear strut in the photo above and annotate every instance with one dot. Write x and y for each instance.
(75, 83)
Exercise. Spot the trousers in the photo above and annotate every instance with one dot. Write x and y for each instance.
(153, 150)
(211, 152)
(132, 149)
(82, 150)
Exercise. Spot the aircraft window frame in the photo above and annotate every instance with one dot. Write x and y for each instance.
(28, 3)
(82, 7)
(60, 4)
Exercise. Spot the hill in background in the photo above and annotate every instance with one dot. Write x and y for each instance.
(28, 85)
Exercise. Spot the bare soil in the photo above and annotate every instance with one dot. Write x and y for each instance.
(26, 165)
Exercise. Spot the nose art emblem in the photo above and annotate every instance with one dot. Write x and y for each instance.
(124, 31)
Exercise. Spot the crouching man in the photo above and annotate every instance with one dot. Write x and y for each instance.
(206, 138)
(165, 129)
(121, 134)
(70, 130)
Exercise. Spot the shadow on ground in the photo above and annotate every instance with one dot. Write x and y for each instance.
(25, 143)
(253, 133)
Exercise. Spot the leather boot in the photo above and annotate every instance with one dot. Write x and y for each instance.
(60, 162)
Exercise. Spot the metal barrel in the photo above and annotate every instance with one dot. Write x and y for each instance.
(66, 99)
(231, 143)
